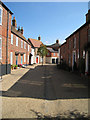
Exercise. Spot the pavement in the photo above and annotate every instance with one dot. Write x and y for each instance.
(43, 91)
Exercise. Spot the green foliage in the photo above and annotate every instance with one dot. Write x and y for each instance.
(42, 50)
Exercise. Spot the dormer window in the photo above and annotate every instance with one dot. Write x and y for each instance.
(0, 16)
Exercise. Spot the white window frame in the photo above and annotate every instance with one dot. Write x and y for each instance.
(28, 48)
(11, 58)
(54, 54)
(21, 43)
(16, 41)
(24, 45)
(1, 15)
(1, 48)
(74, 42)
(24, 57)
(11, 38)
(28, 58)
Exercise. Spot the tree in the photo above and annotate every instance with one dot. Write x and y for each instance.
(42, 50)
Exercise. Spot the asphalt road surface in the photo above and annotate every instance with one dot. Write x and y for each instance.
(48, 82)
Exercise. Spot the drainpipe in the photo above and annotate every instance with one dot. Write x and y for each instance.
(7, 43)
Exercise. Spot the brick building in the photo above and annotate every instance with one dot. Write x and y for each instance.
(52, 56)
(77, 46)
(19, 47)
(14, 48)
(5, 37)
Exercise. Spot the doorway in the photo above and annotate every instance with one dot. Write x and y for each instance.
(16, 59)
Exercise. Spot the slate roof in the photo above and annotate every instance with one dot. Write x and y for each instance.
(51, 50)
(35, 43)
(55, 46)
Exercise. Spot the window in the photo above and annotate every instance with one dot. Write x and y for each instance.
(24, 57)
(74, 42)
(0, 16)
(0, 48)
(16, 41)
(11, 38)
(48, 53)
(54, 54)
(69, 44)
(24, 45)
(28, 47)
(11, 58)
(21, 43)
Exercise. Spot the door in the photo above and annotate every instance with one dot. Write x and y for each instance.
(53, 61)
(36, 59)
(21, 59)
(73, 59)
(16, 59)
(57, 61)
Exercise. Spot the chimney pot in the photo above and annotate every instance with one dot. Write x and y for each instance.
(14, 22)
(39, 38)
(22, 30)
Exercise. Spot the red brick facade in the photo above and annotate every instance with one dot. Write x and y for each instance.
(12, 53)
(74, 48)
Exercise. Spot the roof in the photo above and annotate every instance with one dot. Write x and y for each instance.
(6, 7)
(35, 43)
(63, 44)
(51, 50)
(17, 33)
(55, 46)
(78, 29)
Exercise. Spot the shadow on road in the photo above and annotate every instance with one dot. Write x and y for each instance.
(47, 82)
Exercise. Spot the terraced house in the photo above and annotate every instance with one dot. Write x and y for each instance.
(77, 46)
(14, 47)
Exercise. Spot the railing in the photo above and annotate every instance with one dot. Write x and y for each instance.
(1, 70)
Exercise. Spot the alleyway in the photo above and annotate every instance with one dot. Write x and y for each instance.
(49, 83)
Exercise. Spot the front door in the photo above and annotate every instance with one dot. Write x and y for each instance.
(21, 59)
(36, 59)
(16, 59)
(73, 59)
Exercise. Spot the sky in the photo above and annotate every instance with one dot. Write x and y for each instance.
(50, 20)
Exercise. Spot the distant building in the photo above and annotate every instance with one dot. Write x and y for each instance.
(52, 56)
(35, 44)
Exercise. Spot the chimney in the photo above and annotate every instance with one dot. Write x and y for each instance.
(39, 38)
(14, 22)
(88, 16)
(22, 30)
(57, 41)
(19, 29)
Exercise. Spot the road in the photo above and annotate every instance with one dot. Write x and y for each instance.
(49, 83)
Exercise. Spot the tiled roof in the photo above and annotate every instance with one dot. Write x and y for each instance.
(51, 50)
(35, 43)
